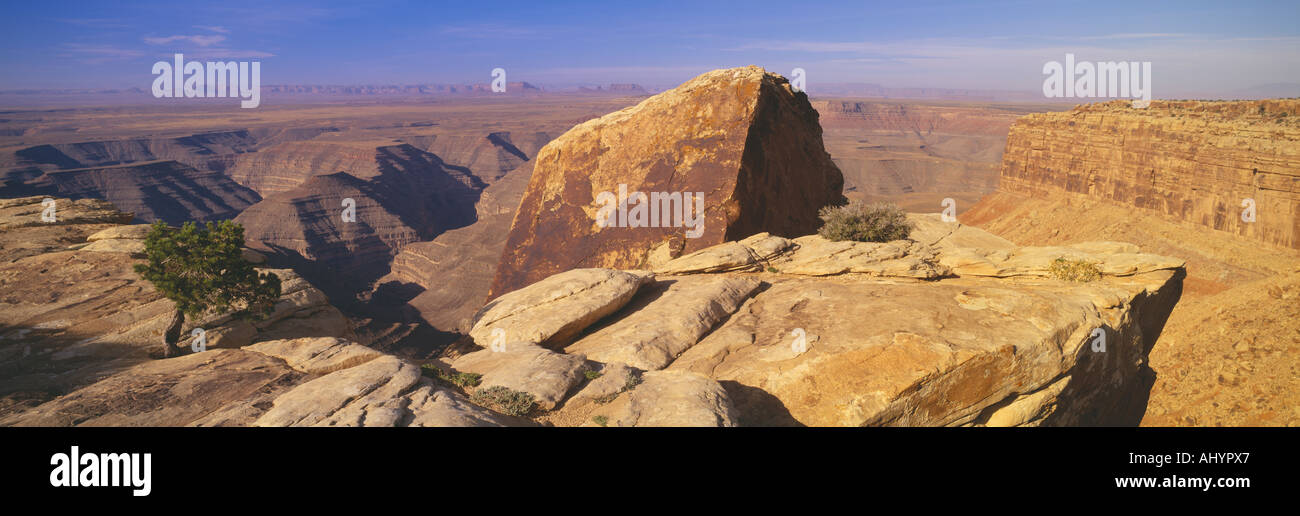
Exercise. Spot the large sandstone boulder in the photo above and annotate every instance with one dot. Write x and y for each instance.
(746, 255)
(322, 355)
(526, 367)
(673, 398)
(554, 310)
(672, 317)
(344, 396)
(741, 138)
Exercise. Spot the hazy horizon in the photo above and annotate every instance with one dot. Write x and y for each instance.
(1206, 51)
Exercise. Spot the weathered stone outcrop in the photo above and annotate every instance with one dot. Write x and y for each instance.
(741, 138)
(297, 382)
(986, 336)
(74, 313)
(526, 367)
(1189, 161)
(675, 314)
(672, 398)
(552, 311)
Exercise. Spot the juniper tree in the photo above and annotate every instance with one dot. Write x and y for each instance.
(201, 269)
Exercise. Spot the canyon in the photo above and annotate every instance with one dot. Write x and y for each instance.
(475, 251)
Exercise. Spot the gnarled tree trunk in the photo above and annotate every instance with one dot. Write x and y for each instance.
(173, 335)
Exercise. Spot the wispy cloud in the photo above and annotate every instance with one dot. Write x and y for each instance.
(200, 40)
(226, 53)
(213, 28)
(1137, 35)
(97, 54)
(98, 23)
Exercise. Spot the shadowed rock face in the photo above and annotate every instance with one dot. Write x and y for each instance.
(740, 137)
(158, 190)
(409, 196)
(468, 254)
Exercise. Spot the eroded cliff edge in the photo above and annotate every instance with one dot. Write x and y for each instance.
(1190, 161)
(1172, 178)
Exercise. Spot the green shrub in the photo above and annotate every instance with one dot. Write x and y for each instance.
(462, 380)
(592, 374)
(877, 222)
(601, 420)
(1074, 270)
(633, 380)
(508, 401)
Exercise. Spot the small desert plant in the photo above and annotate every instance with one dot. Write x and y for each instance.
(772, 269)
(600, 420)
(462, 380)
(633, 380)
(877, 222)
(506, 400)
(591, 374)
(1074, 270)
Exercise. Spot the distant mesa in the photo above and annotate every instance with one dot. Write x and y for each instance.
(512, 88)
(618, 89)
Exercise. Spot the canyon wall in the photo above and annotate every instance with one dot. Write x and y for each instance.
(1190, 161)
(1171, 178)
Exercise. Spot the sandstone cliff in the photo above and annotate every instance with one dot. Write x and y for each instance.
(1161, 178)
(740, 137)
(1190, 161)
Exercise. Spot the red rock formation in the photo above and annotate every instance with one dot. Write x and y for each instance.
(1186, 160)
(741, 137)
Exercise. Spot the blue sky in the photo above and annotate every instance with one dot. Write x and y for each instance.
(1194, 46)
